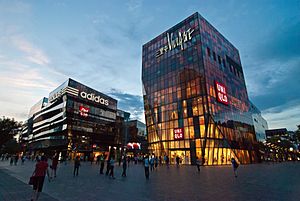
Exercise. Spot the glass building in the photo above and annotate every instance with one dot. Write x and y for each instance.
(195, 97)
(260, 124)
(74, 119)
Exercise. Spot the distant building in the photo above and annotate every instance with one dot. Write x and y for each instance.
(137, 136)
(280, 132)
(260, 124)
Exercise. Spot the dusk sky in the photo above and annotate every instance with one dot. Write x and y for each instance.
(99, 43)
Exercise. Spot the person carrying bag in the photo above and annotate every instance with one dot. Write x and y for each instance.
(38, 177)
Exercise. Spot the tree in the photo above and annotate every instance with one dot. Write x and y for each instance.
(8, 128)
(298, 133)
(11, 147)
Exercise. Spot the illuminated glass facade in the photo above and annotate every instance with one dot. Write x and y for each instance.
(195, 97)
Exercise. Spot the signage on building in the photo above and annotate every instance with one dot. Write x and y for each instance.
(221, 93)
(83, 111)
(178, 133)
(134, 145)
(93, 97)
(179, 41)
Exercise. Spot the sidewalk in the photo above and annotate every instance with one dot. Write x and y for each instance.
(258, 182)
(12, 189)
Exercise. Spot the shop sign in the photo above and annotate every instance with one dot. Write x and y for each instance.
(178, 133)
(221, 92)
(93, 97)
(83, 111)
(179, 41)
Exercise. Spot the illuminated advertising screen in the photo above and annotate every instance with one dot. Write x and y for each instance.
(178, 133)
(221, 93)
(133, 145)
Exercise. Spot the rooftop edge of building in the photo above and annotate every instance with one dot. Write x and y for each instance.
(194, 15)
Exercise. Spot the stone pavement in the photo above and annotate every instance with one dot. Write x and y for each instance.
(12, 189)
(259, 182)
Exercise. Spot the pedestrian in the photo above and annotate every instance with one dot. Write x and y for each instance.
(177, 161)
(120, 160)
(92, 159)
(235, 166)
(160, 160)
(167, 161)
(23, 159)
(152, 163)
(156, 161)
(16, 159)
(76, 165)
(128, 160)
(11, 159)
(198, 163)
(102, 160)
(124, 166)
(107, 166)
(41, 168)
(112, 166)
(146, 165)
(98, 160)
(54, 165)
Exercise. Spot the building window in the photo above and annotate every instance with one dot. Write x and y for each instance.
(214, 55)
(208, 52)
(219, 59)
(224, 63)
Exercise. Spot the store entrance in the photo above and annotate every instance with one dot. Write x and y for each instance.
(185, 157)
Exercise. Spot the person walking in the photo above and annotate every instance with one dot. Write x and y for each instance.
(108, 166)
(23, 159)
(54, 165)
(98, 160)
(156, 162)
(235, 166)
(112, 166)
(167, 161)
(146, 165)
(152, 163)
(12, 159)
(102, 163)
(16, 159)
(177, 161)
(128, 160)
(76, 165)
(41, 169)
(198, 163)
(124, 166)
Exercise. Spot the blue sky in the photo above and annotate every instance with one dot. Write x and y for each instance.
(99, 43)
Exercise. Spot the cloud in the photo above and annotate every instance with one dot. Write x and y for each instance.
(283, 116)
(283, 43)
(33, 54)
(130, 103)
(134, 5)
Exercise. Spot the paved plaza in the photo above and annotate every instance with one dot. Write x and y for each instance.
(279, 181)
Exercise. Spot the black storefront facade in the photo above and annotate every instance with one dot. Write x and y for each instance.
(74, 120)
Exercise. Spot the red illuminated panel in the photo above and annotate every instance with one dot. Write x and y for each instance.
(221, 93)
(178, 133)
(84, 111)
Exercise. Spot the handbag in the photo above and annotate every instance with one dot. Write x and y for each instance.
(32, 179)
